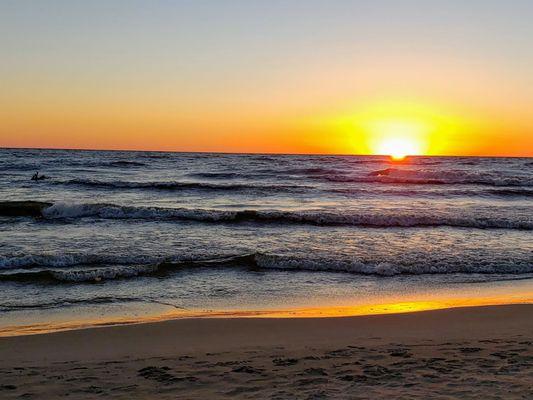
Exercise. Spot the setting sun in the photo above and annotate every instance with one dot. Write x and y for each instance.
(399, 128)
(399, 138)
(398, 148)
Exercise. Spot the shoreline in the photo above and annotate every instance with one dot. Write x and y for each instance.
(371, 309)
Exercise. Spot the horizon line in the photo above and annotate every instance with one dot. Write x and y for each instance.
(256, 153)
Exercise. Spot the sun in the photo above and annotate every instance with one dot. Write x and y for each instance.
(400, 128)
(398, 148)
(398, 139)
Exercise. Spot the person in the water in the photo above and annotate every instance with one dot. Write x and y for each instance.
(37, 177)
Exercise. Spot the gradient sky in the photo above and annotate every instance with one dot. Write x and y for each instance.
(456, 77)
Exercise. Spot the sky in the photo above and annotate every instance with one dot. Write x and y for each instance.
(344, 77)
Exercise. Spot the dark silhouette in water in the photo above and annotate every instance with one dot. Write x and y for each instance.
(37, 177)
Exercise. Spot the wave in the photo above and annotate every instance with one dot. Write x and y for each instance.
(124, 163)
(518, 192)
(72, 302)
(265, 172)
(75, 302)
(423, 267)
(103, 261)
(99, 164)
(96, 268)
(85, 275)
(177, 185)
(157, 155)
(431, 177)
(16, 166)
(380, 219)
(432, 192)
(219, 175)
(23, 208)
(255, 261)
(69, 259)
(47, 164)
(319, 171)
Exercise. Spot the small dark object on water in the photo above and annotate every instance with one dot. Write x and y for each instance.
(37, 177)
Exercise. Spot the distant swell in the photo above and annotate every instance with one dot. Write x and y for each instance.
(266, 173)
(77, 271)
(105, 164)
(124, 163)
(218, 175)
(177, 185)
(502, 192)
(431, 177)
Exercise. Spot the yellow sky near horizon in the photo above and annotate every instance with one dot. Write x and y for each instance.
(448, 80)
(363, 129)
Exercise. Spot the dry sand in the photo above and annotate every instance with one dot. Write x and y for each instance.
(463, 353)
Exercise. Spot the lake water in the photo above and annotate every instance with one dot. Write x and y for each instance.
(130, 235)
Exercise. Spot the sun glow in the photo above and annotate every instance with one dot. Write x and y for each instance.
(398, 148)
(400, 129)
(398, 139)
(398, 143)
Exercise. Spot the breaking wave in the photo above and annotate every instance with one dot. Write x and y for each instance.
(23, 208)
(365, 218)
(74, 269)
(96, 268)
(82, 275)
(394, 218)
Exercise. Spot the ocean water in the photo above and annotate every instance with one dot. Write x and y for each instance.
(134, 233)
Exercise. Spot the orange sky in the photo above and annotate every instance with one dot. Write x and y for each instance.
(350, 78)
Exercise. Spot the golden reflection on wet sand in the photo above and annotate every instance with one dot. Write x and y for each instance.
(312, 312)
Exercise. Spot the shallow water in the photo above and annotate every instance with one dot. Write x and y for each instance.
(126, 233)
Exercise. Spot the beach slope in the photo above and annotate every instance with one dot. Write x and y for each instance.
(474, 352)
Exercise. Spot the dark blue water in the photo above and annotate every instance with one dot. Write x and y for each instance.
(228, 231)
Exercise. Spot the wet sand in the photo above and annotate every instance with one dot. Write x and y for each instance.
(474, 352)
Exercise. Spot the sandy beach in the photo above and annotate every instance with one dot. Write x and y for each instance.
(473, 352)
